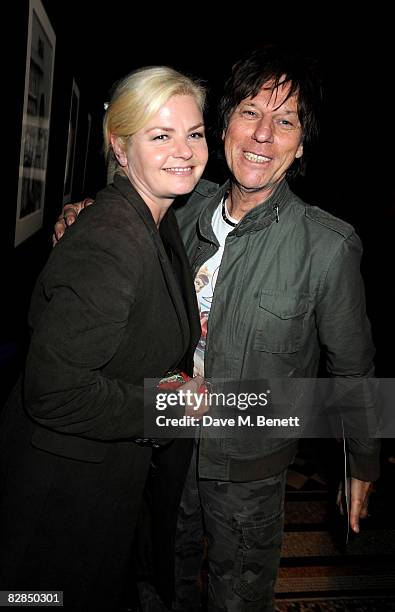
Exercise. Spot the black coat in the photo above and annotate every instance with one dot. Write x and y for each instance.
(107, 311)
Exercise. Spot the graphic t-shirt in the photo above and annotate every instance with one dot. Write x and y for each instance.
(205, 280)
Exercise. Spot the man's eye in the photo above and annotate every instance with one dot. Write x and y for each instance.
(249, 114)
(286, 124)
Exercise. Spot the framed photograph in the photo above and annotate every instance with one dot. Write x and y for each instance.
(88, 136)
(33, 159)
(71, 143)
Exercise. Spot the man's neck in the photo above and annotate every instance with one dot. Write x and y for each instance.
(240, 201)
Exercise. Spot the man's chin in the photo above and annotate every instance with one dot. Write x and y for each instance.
(254, 188)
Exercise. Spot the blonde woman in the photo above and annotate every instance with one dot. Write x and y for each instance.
(119, 284)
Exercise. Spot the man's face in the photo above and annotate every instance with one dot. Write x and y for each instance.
(263, 138)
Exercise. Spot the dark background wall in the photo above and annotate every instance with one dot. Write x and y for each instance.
(350, 175)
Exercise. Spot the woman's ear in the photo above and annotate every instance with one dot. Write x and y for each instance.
(119, 151)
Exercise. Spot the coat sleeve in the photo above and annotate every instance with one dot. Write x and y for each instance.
(345, 336)
(80, 308)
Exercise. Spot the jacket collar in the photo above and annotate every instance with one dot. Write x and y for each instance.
(125, 187)
(256, 219)
(206, 215)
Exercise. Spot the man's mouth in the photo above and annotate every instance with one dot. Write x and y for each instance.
(257, 159)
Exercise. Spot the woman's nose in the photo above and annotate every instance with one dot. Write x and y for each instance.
(182, 149)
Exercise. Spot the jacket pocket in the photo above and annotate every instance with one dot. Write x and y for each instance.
(280, 322)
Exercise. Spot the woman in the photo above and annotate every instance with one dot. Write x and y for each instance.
(71, 473)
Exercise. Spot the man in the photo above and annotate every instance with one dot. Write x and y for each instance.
(284, 290)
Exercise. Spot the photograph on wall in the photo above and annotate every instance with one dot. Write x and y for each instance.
(36, 123)
(71, 143)
(88, 135)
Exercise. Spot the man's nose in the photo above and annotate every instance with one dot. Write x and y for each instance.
(263, 130)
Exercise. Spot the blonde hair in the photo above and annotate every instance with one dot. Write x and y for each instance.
(140, 95)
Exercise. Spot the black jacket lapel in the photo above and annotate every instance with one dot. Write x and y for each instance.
(175, 248)
(181, 304)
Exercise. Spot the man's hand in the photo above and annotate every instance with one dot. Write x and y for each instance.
(67, 217)
(359, 502)
(358, 494)
(195, 396)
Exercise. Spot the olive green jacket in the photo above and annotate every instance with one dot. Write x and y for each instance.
(288, 296)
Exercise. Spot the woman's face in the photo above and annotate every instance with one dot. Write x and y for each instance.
(167, 157)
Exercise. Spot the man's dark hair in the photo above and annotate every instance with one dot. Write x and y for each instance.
(278, 65)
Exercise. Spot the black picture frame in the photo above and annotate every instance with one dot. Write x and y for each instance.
(33, 161)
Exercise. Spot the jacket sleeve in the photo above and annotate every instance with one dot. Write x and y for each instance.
(345, 336)
(80, 308)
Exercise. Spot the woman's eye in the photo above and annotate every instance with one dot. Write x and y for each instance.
(196, 135)
(161, 137)
(249, 114)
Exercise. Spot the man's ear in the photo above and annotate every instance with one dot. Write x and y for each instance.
(299, 152)
(119, 151)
